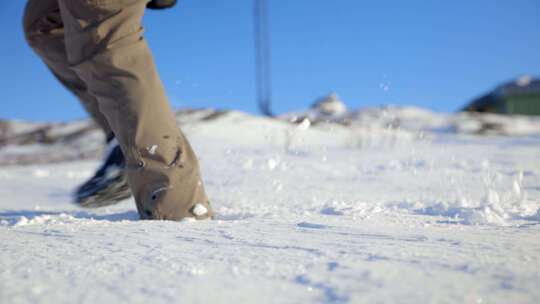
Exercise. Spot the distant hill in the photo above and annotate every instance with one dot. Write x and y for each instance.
(520, 96)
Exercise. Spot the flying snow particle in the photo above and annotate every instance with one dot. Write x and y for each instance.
(516, 187)
(199, 210)
(152, 149)
(385, 87)
(272, 164)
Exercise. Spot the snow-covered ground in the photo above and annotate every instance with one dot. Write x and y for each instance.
(370, 212)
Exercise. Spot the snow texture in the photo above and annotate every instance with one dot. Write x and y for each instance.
(369, 212)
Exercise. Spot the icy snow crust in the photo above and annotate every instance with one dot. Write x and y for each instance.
(308, 212)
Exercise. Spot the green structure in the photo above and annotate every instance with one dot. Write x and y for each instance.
(520, 97)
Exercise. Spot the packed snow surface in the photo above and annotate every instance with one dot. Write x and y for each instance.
(307, 212)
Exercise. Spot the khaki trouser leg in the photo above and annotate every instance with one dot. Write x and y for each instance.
(105, 48)
(44, 31)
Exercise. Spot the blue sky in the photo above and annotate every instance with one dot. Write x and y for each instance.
(434, 54)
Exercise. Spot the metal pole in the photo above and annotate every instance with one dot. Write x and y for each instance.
(262, 57)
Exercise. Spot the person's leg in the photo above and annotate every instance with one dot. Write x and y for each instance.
(105, 47)
(44, 31)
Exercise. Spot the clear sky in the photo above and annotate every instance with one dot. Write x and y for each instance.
(434, 54)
